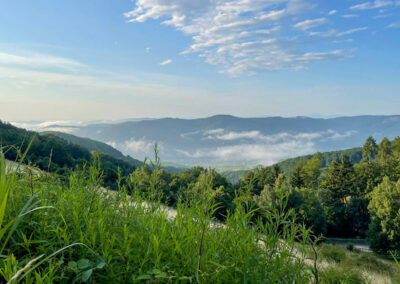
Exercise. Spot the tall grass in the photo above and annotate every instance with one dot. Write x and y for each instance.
(129, 238)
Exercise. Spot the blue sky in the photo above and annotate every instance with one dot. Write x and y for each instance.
(97, 59)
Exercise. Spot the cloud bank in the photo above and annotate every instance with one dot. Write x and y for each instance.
(255, 147)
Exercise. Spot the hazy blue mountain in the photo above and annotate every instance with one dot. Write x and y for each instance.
(227, 140)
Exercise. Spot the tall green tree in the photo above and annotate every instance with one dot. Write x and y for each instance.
(370, 149)
(385, 150)
(296, 176)
(311, 172)
(340, 179)
(396, 147)
(385, 210)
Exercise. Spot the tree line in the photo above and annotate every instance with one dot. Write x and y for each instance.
(344, 199)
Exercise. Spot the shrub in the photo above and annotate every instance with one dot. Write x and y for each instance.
(337, 275)
(333, 253)
(350, 247)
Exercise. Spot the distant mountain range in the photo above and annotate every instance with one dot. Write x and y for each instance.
(224, 141)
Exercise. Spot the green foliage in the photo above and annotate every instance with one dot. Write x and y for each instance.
(309, 209)
(333, 253)
(344, 266)
(354, 154)
(130, 238)
(370, 149)
(340, 178)
(341, 276)
(385, 210)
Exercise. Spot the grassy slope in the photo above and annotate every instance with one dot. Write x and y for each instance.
(143, 242)
(112, 238)
(340, 265)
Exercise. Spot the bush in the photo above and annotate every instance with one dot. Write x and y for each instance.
(337, 275)
(333, 253)
(350, 247)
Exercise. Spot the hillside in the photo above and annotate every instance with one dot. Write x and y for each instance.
(54, 154)
(355, 155)
(93, 145)
(243, 142)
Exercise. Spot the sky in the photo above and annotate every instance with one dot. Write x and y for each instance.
(97, 59)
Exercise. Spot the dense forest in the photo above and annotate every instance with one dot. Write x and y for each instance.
(341, 198)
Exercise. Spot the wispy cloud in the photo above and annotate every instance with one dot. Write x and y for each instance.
(393, 25)
(242, 37)
(166, 62)
(332, 12)
(350, 16)
(35, 60)
(308, 24)
(335, 33)
(373, 5)
(352, 31)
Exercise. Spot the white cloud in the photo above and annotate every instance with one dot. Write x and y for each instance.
(335, 33)
(393, 25)
(166, 62)
(242, 37)
(373, 5)
(214, 131)
(148, 49)
(236, 135)
(60, 125)
(382, 16)
(255, 153)
(332, 12)
(308, 24)
(138, 148)
(35, 60)
(348, 32)
(350, 16)
(255, 147)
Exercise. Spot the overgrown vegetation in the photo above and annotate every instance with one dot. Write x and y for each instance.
(344, 200)
(84, 233)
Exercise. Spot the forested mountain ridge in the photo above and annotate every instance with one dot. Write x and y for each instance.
(93, 145)
(230, 140)
(354, 154)
(54, 154)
